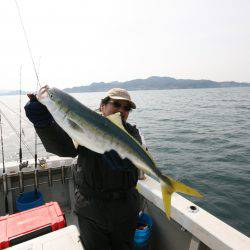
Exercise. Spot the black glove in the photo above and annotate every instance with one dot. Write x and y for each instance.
(37, 113)
(115, 162)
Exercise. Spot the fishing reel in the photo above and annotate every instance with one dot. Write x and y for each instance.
(42, 163)
(23, 165)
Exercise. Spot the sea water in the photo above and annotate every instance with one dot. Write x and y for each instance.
(198, 136)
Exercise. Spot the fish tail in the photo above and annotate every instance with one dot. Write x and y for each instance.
(166, 196)
(175, 186)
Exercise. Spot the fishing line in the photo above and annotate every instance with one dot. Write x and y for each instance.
(27, 41)
(23, 119)
(17, 133)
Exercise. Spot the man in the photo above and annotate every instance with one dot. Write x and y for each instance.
(107, 203)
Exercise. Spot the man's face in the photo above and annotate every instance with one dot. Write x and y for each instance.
(114, 106)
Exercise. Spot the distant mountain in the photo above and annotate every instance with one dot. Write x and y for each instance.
(3, 91)
(156, 83)
(11, 92)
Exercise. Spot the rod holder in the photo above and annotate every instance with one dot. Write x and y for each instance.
(23, 165)
(42, 163)
(63, 174)
(5, 184)
(36, 179)
(50, 179)
(20, 177)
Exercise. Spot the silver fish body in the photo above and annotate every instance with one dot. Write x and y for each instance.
(94, 131)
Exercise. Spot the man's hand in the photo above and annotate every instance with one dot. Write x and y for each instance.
(115, 162)
(36, 112)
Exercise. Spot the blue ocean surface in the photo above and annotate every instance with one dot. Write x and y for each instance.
(198, 136)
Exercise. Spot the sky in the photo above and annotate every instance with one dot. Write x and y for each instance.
(77, 42)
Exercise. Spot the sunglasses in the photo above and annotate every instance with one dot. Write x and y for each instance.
(118, 105)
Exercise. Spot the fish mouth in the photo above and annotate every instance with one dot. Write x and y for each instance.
(43, 93)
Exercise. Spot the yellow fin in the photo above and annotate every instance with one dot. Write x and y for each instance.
(182, 188)
(168, 190)
(116, 119)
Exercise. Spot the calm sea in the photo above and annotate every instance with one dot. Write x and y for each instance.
(198, 136)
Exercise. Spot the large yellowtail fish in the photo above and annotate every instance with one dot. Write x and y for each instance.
(102, 134)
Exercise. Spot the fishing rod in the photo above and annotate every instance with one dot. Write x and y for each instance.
(20, 121)
(38, 84)
(5, 187)
(36, 172)
(21, 163)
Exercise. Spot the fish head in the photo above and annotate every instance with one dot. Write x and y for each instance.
(55, 95)
(52, 98)
(42, 94)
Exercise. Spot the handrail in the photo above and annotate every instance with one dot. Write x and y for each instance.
(207, 228)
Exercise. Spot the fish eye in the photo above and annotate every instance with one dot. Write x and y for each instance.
(51, 95)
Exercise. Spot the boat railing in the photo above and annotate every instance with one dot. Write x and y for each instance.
(203, 227)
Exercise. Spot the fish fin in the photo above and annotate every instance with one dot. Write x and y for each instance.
(175, 186)
(182, 188)
(116, 119)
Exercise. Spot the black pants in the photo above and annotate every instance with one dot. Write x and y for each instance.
(107, 224)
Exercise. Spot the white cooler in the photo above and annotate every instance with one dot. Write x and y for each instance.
(64, 239)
